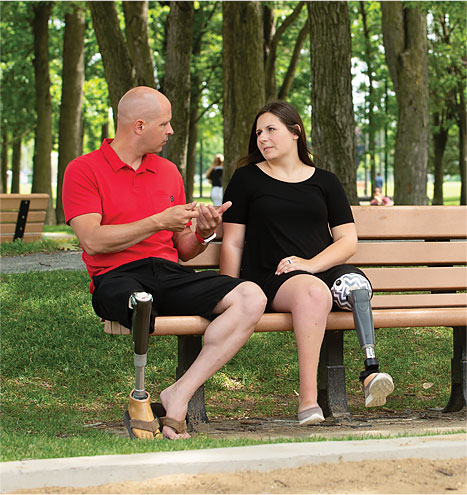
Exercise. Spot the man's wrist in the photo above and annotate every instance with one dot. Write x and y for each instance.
(205, 240)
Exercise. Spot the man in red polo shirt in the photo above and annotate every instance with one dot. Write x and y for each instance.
(127, 206)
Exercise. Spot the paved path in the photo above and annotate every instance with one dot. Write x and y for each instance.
(61, 260)
(91, 471)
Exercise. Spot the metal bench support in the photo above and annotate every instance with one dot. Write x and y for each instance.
(458, 399)
(332, 395)
(21, 220)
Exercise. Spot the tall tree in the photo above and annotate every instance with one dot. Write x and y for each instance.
(243, 77)
(119, 70)
(69, 139)
(274, 37)
(333, 133)
(204, 74)
(16, 165)
(137, 37)
(42, 171)
(371, 92)
(176, 85)
(4, 158)
(405, 44)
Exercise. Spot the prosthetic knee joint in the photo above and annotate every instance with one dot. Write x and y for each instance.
(141, 303)
(353, 292)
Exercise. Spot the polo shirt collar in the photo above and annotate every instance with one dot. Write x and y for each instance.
(114, 160)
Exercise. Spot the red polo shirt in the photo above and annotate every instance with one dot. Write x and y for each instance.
(100, 182)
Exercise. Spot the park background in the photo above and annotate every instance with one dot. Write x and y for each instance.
(380, 86)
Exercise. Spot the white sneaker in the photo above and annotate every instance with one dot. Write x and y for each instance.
(377, 387)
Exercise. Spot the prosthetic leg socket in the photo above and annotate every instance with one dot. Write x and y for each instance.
(141, 303)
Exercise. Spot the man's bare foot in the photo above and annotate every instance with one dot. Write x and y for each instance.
(174, 426)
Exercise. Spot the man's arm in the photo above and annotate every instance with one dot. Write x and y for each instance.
(186, 242)
(96, 238)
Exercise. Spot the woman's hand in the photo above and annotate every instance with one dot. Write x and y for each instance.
(292, 263)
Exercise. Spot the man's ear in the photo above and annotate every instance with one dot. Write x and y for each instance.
(139, 126)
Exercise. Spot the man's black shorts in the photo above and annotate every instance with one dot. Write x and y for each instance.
(176, 290)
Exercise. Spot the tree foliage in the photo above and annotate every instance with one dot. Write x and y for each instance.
(127, 43)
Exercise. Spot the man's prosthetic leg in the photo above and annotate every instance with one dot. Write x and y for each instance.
(140, 418)
(353, 292)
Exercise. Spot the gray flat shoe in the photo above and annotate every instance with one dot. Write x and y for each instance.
(310, 416)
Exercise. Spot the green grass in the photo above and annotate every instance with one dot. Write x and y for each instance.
(61, 373)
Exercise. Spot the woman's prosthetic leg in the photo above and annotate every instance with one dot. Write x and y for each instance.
(353, 292)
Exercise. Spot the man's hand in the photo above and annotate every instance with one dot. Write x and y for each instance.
(176, 218)
(209, 218)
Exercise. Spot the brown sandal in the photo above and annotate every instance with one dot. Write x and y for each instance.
(177, 426)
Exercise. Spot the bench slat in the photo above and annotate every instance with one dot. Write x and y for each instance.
(373, 253)
(30, 228)
(385, 301)
(411, 222)
(418, 278)
(38, 201)
(196, 325)
(33, 216)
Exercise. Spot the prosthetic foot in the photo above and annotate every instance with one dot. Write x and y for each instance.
(139, 418)
(353, 292)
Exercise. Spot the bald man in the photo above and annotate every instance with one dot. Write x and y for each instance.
(128, 208)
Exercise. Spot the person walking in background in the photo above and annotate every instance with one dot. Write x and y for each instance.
(379, 181)
(290, 229)
(214, 175)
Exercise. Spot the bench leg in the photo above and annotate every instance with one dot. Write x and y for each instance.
(458, 399)
(332, 395)
(189, 346)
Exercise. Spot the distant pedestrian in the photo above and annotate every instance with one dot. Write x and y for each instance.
(214, 175)
(379, 181)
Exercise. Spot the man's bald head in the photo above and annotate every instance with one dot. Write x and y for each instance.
(142, 103)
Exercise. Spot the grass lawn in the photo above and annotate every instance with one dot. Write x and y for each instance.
(61, 373)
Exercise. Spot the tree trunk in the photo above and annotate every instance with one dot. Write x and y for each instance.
(72, 98)
(177, 80)
(440, 139)
(405, 43)
(371, 97)
(119, 71)
(137, 38)
(4, 169)
(192, 135)
(291, 70)
(270, 65)
(42, 172)
(332, 115)
(16, 166)
(462, 124)
(243, 77)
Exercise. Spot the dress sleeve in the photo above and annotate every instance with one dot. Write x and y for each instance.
(339, 211)
(237, 193)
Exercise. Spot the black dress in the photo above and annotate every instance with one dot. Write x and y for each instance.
(284, 219)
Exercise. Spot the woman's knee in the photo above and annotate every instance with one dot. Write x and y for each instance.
(314, 296)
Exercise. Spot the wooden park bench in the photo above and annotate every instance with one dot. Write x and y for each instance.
(415, 257)
(22, 216)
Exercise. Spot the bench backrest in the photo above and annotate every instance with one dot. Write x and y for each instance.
(410, 249)
(22, 216)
